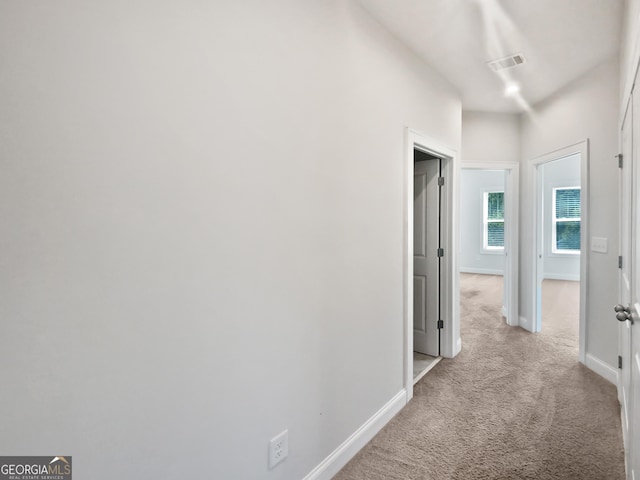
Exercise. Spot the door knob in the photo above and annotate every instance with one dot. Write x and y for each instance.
(623, 316)
(622, 313)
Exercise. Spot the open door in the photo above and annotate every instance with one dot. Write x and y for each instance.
(426, 258)
(633, 315)
(629, 307)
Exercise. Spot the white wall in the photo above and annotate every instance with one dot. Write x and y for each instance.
(559, 173)
(588, 108)
(201, 214)
(490, 137)
(629, 49)
(473, 258)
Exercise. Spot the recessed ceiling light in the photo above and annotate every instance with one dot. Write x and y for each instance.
(512, 89)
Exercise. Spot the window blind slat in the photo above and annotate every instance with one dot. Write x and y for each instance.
(568, 235)
(567, 218)
(495, 204)
(568, 203)
(495, 234)
(495, 219)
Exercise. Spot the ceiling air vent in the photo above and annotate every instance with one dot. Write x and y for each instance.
(507, 62)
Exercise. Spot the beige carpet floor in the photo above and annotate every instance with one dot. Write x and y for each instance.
(511, 405)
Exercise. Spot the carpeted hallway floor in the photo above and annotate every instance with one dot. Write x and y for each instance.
(511, 405)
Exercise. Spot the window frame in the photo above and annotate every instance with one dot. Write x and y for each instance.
(486, 248)
(554, 221)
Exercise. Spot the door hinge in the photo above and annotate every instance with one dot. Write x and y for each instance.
(441, 252)
(619, 160)
(440, 181)
(620, 261)
(440, 324)
(619, 362)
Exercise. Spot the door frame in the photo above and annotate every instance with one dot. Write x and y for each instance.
(511, 235)
(581, 148)
(450, 343)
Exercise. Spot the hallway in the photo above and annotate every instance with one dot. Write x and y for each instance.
(511, 405)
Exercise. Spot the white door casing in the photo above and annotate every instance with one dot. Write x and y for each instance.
(535, 323)
(450, 343)
(426, 271)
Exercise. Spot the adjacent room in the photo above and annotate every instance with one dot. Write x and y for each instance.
(559, 218)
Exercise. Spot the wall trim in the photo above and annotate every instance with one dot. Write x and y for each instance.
(331, 465)
(602, 368)
(560, 276)
(482, 271)
(526, 324)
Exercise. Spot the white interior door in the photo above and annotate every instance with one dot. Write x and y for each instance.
(634, 304)
(629, 307)
(624, 329)
(426, 213)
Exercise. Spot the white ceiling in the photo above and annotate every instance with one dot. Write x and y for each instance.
(560, 40)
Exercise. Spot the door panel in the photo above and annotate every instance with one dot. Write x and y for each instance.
(419, 209)
(426, 210)
(629, 335)
(419, 303)
(634, 450)
(624, 329)
(632, 327)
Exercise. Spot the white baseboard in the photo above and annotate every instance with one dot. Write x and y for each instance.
(561, 276)
(481, 271)
(352, 445)
(458, 347)
(603, 369)
(526, 324)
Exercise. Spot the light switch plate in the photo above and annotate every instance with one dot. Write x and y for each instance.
(599, 244)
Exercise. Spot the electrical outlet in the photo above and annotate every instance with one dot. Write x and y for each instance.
(278, 448)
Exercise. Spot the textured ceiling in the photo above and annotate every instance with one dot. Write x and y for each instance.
(560, 39)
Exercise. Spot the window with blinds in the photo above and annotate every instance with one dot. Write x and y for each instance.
(565, 230)
(493, 219)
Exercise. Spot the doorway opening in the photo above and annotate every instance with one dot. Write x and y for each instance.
(489, 248)
(560, 239)
(447, 326)
(427, 261)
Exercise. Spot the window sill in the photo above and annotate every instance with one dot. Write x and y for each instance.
(565, 254)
